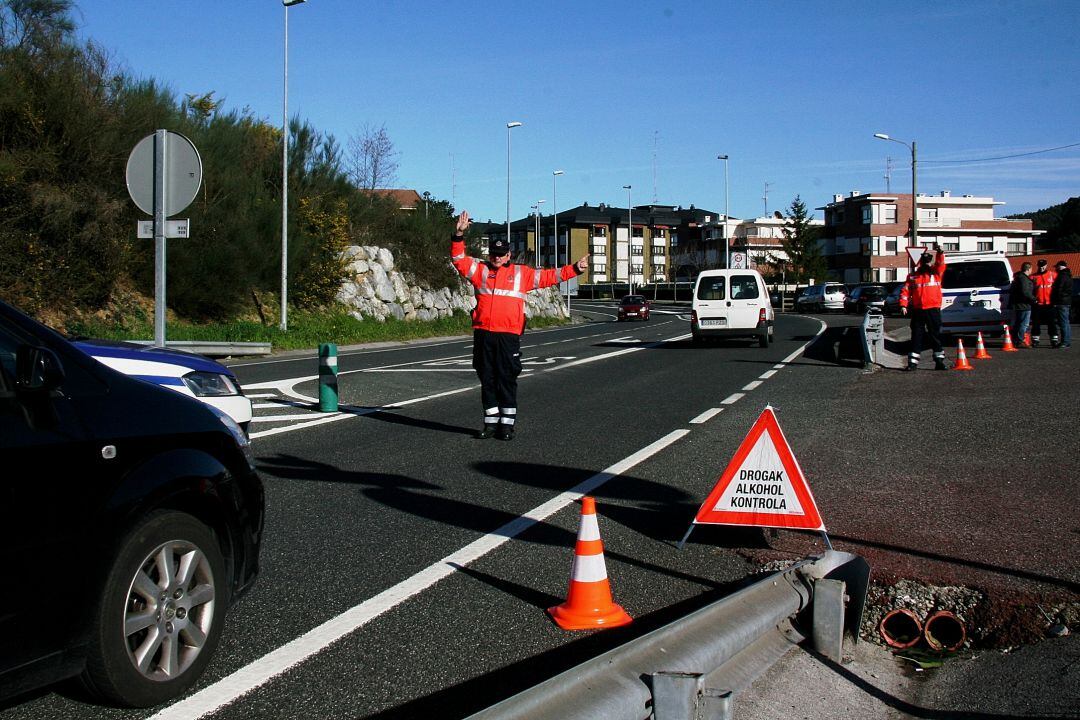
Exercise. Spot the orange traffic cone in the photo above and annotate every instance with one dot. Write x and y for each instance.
(1027, 338)
(980, 349)
(588, 604)
(961, 358)
(1008, 346)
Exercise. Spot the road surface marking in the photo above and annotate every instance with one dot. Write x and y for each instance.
(752, 385)
(248, 678)
(767, 375)
(732, 398)
(706, 416)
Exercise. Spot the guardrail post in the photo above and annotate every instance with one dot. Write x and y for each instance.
(675, 695)
(328, 390)
(872, 331)
(828, 618)
(717, 704)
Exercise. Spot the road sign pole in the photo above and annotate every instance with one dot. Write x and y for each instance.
(160, 139)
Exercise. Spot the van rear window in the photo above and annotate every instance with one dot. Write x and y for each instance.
(744, 287)
(711, 288)
(975, 274)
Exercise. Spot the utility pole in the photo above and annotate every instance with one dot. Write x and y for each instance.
(888, 174)
(765, 197)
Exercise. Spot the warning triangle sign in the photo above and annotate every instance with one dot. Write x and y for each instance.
(763, 484)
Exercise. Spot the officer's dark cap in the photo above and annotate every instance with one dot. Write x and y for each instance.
(498, 247)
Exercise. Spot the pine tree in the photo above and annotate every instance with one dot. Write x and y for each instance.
(801, 245)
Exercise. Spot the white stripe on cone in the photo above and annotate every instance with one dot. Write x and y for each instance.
(589, 568)
(589, 528)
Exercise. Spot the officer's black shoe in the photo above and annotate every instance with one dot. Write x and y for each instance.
(912, 367)
(941, 365)
(487, 431)
(505, 432)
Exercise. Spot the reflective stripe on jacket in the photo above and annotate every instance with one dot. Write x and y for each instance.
(923, 286)
(500, 292)
(1043, 282)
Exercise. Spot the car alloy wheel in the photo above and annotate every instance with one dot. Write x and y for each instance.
(162, 611)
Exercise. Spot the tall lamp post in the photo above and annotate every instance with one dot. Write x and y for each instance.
(509, 126)
(629, 239)
(555, 218)
(914, 186)
(727, 243)
(536, 233)
(285, 175)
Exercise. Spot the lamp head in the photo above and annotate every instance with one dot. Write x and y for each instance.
(882, 136)
(721, 157)
(557, 172)
(513, 124)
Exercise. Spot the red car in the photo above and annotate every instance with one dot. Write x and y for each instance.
(633, 307)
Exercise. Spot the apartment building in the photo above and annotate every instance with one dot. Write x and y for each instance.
(865, 234)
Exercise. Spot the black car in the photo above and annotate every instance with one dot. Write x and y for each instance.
(863, 297)
(130, 518)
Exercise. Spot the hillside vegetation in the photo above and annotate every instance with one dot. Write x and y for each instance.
(1061, 223)
(69, 119)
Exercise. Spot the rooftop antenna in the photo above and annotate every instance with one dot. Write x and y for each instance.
(453, 182)
(888, 174)
(765, 198)
(656, 137)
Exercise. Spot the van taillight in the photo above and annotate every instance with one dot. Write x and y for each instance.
(761, 315)
(693, 316)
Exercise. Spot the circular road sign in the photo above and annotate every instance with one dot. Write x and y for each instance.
(183, 173)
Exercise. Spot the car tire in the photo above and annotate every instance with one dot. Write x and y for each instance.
(763, 339)
(164, 619)
(697, 339)
(772, 335)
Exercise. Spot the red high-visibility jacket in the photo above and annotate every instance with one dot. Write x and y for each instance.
(1043, 281)
(923, 286)
(500, 292)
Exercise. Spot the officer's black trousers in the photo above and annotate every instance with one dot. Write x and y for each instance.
(926, 323)
(497, 361)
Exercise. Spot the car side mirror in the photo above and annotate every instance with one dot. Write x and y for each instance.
(37, 370)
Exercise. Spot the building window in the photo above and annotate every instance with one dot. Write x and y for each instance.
(985, 245)
(637, 269)
(890, 274)
(951, 245)
(598, 267)
(1017, 248)
(639, 232)
(888, 213)
(840, 217)
(600, 250)
(637, 250)
(867, 214)
(890, 246)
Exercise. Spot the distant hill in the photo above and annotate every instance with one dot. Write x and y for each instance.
(1061, 223)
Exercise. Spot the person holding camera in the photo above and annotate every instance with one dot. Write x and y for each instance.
(922, 291)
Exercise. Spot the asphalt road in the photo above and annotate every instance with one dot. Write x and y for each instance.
(406, 565)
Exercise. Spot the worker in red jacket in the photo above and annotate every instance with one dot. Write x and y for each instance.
(922, 292)
(1042, 312)
(498, 322)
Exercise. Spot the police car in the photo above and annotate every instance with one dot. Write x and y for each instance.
(975, 292)
(184, 372)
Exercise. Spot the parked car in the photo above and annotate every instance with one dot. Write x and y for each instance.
(130, 518)
(184, 372)
(731, 303)
(864, 297)
(633, 307)
(822, 297)
(891, 306)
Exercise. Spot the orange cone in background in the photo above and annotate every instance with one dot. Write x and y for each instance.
(961, 358)
(1008, 346)
(980, 349)
(1027, 338)
(588, 604)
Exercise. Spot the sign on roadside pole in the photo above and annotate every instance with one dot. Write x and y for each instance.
(164, 172)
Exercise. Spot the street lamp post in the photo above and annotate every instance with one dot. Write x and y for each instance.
(914, 186)
(509, 126)
(727, 243)
(555, 218)
(285, 174)
(536, 238)
(629, 239)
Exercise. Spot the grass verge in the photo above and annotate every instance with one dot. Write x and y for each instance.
(306, 329)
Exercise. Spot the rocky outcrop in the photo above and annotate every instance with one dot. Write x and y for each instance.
(376, 290)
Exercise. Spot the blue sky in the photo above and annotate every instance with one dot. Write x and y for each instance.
(792, 91)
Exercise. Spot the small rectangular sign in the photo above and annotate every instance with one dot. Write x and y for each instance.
(173, 228)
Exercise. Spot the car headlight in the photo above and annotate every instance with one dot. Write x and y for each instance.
(208, 384)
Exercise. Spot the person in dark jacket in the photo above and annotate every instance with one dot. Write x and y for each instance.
(1061, 300)
(1021, 298)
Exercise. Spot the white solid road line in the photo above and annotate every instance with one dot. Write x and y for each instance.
(261, 671)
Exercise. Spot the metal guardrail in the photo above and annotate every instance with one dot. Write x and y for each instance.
(211, 348)
(691, 669)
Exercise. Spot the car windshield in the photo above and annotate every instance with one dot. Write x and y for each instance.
(830, 289)
(975, 274)
(873, 292)
(633, 300)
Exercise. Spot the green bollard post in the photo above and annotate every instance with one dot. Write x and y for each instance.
(328, 392)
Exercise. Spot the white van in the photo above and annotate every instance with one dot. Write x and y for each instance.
(975, 292)
(731, 303)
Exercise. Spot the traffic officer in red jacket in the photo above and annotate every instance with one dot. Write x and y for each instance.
(1042, 313)
(922, 292)
(498, 322)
